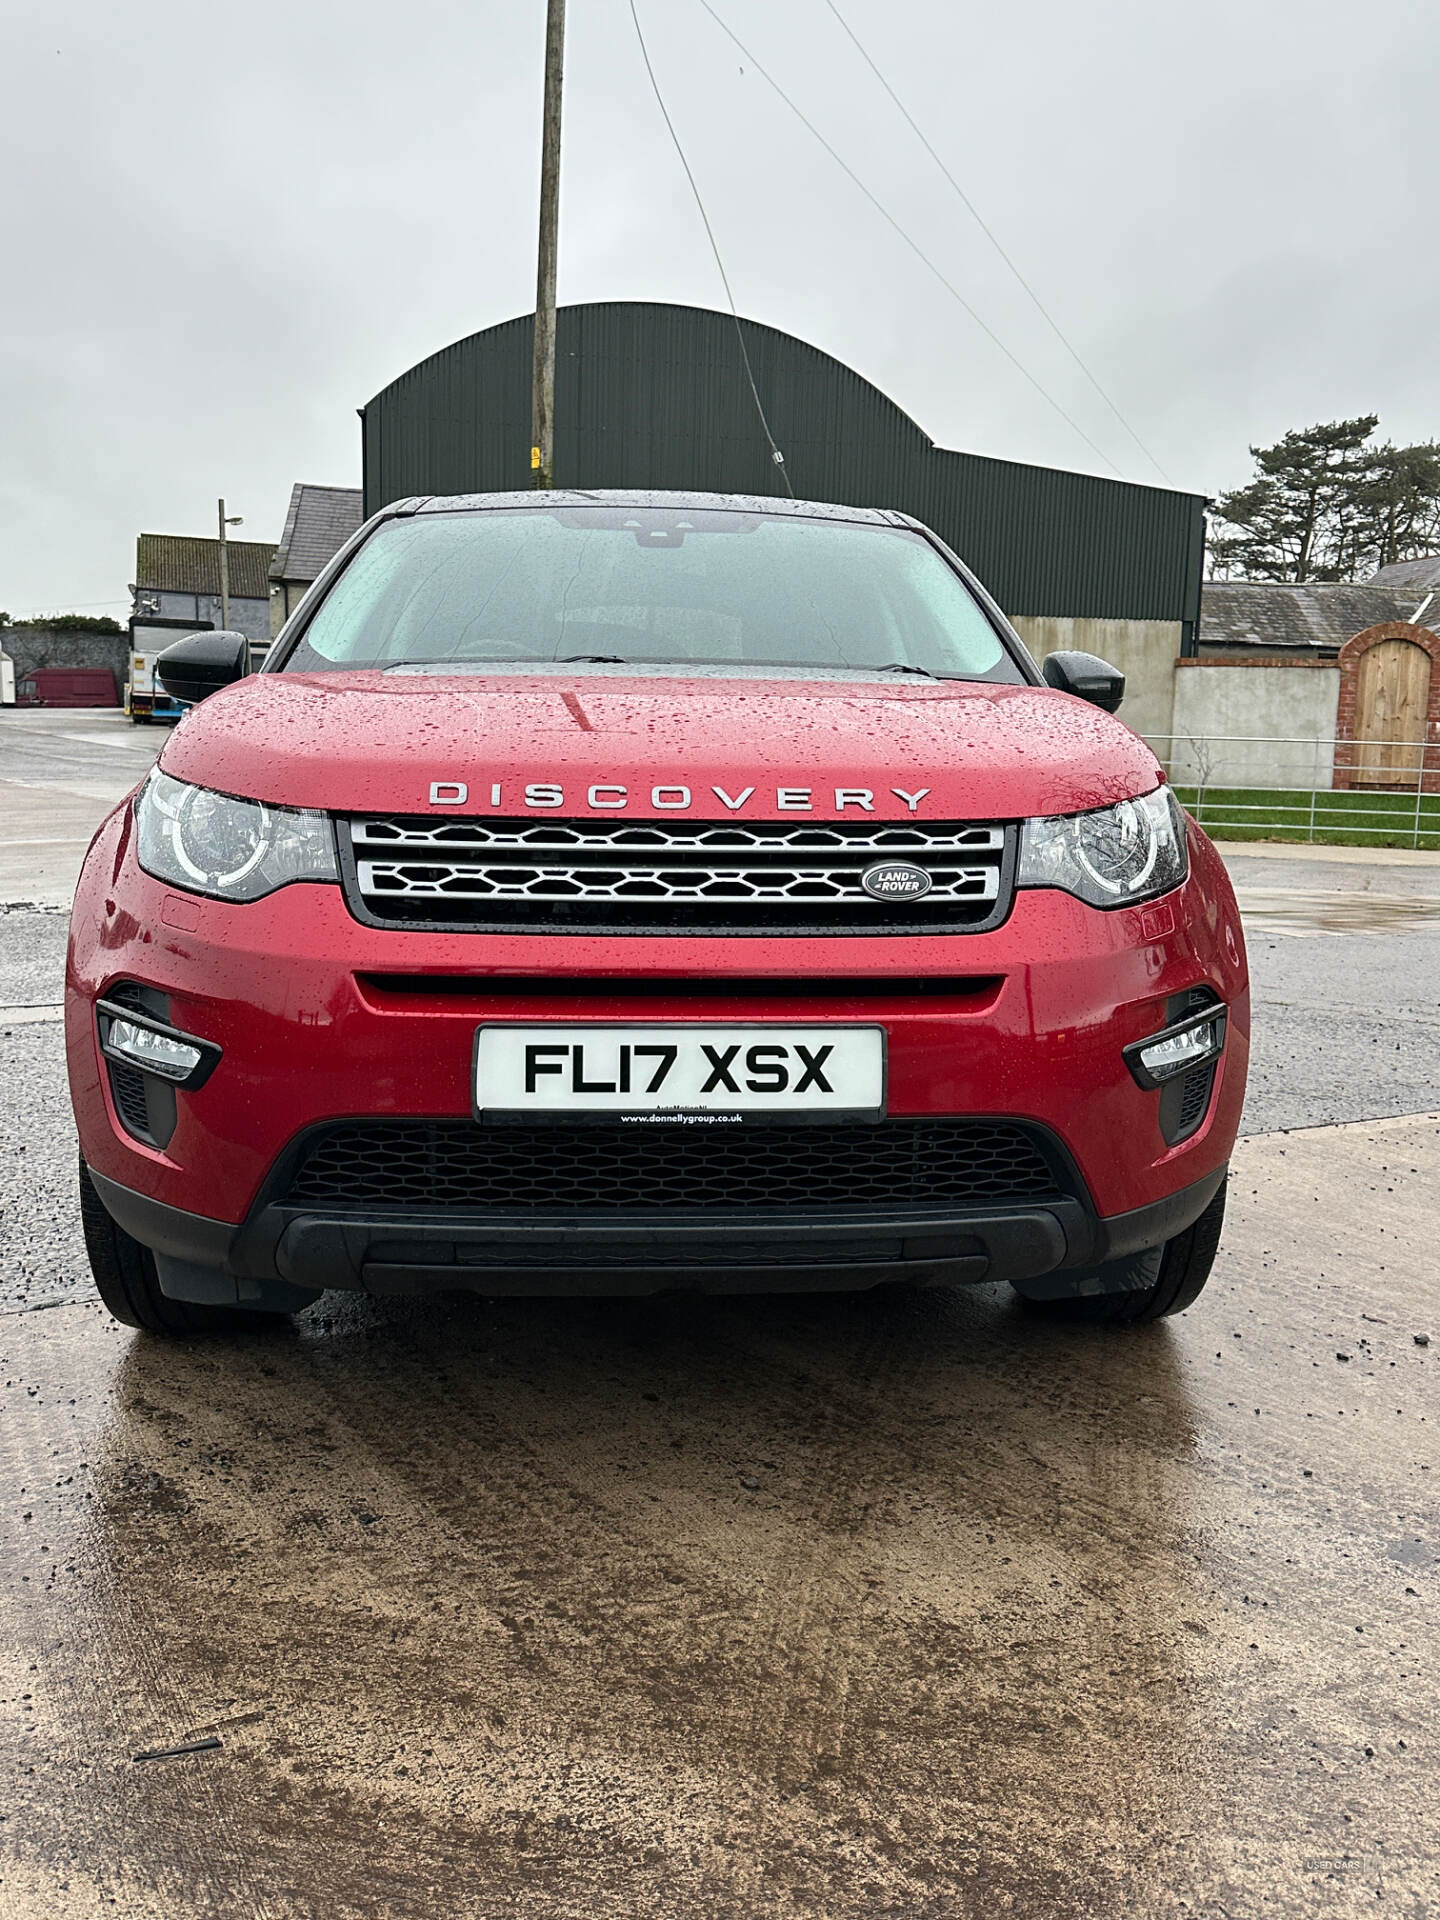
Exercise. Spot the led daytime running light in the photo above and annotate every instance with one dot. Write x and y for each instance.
(1163, 1059)
(158, 1053)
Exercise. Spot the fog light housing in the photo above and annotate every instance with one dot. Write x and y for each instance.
(158, 1053)
(1177, 1049)
(137, 1039)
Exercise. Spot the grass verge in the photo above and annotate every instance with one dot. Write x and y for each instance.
(1324, 819)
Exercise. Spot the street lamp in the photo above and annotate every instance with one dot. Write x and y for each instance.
(234, 521)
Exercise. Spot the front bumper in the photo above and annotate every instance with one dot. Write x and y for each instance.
(320, 1020)
(285, 1256)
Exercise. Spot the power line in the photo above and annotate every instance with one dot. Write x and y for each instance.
(993, 238)
(914, 245)
(74, 606)
(775, 454)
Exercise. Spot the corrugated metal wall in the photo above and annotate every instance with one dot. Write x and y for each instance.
(656, 396)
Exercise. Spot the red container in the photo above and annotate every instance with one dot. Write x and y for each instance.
(68, 687)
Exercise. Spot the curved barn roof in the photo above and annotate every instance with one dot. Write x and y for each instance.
(656, 396)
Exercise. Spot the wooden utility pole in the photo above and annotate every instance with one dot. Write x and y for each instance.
(542, 411)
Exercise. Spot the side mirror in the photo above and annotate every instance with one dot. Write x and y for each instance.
(1086, 677)
(202, 663)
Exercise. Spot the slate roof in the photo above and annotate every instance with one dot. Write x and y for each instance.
(182, 563)
(1263, 613)
(319, 522)
(1411, 576)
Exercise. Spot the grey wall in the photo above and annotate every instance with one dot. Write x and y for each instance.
(31, 647)
(1145, 651)
(1254, 726)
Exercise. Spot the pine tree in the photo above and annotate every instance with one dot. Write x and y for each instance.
(1289, 523)
(1398, 512)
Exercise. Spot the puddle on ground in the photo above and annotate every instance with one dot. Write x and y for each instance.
(1297, 911)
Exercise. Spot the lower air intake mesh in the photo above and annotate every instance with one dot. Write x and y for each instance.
(900, 1163)
(127, 1085)
(1195, 1100)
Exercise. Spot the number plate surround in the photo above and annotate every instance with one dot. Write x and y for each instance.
(863, 1099)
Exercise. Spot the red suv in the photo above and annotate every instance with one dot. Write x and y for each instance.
(613, 892)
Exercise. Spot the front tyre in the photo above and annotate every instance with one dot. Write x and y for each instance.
(128, 1284)
(1145, 1286)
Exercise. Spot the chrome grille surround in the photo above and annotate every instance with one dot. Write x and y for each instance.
(432, 834)
(670, 877)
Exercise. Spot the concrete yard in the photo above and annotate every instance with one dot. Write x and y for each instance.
(892, 1605)
(61, 770)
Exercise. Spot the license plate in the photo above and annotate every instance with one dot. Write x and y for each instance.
(680, 1075)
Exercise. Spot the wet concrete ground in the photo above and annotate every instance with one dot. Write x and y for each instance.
(898, 1605)
(61, 771)
(1308, 911)
(891, 1605)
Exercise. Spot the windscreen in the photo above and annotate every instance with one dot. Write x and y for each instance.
(650, 585)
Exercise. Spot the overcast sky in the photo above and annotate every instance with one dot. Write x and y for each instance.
(223, 229)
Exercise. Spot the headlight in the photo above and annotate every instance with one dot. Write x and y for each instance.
(1112, 857)
(232, 849)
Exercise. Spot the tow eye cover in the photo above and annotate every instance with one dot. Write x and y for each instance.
(895, 880)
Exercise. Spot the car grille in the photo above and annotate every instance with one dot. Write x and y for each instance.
(584, 876)
(458, 1164)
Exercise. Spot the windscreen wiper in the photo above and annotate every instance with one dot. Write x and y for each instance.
(897, 666)
(592, 660)
(463, 660)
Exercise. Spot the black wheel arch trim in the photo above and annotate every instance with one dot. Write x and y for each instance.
(1125, 1233)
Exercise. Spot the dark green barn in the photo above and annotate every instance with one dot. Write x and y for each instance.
(656, 396)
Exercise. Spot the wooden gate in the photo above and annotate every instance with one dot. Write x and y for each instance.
(1393, 699)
